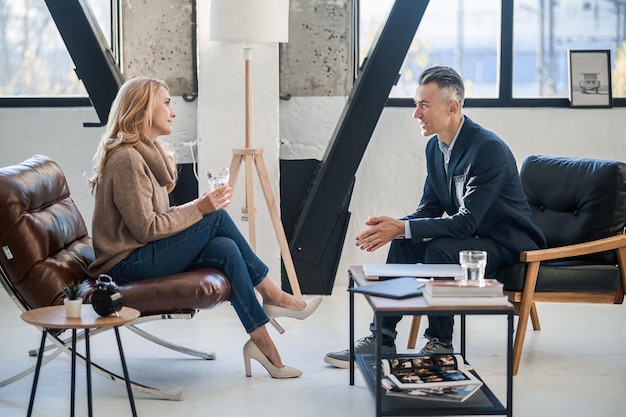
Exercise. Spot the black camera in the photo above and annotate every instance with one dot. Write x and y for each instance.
(106, 299)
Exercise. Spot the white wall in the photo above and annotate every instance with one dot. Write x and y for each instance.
(59, 134)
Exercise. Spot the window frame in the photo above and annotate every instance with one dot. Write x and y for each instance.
(114, 51)
(505, 94)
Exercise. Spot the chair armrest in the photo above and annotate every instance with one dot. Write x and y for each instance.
(570, 251)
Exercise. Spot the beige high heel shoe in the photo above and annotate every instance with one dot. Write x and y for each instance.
(273, 311)
(250, 350)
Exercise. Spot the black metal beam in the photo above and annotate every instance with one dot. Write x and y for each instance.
(331, 189)
(94, 64)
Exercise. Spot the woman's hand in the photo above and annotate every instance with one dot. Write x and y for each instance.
(214, 200)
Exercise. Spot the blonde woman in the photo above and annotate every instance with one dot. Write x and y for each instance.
(138, 236)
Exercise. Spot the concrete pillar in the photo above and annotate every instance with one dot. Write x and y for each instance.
(157, 43)
(318, 60)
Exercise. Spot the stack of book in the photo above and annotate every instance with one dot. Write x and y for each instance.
(459, 292)
(435, 377)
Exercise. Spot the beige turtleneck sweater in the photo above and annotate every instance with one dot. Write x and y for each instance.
(132, 204)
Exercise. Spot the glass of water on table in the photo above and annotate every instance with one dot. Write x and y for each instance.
(217, 178)
(473, 263)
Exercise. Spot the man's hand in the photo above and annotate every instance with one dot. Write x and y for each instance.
(381, 231)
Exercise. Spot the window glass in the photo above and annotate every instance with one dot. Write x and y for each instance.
(545, 30)
(462, 34)
(35, 62)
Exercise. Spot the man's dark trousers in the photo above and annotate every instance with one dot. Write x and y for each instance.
(437, 251)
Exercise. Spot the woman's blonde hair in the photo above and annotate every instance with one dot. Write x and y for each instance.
(130, 117)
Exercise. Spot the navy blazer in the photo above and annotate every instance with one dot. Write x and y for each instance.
(481, 194)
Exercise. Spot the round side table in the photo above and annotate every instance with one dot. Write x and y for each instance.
(54, 318)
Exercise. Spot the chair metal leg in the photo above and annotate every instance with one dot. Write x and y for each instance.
(165, 395)
(79, 336)
(32, 369)
(170, 345)
(62, 346)
(133, 327)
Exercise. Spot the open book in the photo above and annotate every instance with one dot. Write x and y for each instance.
(428, 372)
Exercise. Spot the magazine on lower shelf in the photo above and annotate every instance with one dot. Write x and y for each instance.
(426, 372)
(451, 394)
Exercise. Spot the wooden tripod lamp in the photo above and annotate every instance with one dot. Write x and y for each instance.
(247, 22)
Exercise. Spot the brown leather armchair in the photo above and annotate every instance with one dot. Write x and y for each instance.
(45, 246)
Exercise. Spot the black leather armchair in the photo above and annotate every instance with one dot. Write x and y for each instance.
(580, 205)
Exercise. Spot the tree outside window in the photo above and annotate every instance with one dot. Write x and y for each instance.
(465, 35)
(35, 62)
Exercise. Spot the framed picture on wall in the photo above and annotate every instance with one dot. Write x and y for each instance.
(590, 78)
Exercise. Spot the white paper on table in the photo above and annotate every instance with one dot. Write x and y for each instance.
(372, 271)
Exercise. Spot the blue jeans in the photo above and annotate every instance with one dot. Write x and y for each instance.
(213, 242)
(438, 251)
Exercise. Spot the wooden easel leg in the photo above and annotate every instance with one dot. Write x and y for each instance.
(235, 165)
(248, 213)
(255, 156)
(278, 225)
(249, 209)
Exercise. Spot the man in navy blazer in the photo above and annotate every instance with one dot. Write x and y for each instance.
(472, 199)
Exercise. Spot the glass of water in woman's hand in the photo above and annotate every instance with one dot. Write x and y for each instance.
(217, 178)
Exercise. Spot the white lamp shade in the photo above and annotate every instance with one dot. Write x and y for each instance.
(249, 21)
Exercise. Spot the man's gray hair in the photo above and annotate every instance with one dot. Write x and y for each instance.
(448, 80)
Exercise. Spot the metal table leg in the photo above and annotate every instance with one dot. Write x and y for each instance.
(131, 399)
(88, 368)
(509, 367)
(463, 329)
(351, 337)
(73, 392)
(378, 322)
(44, 334)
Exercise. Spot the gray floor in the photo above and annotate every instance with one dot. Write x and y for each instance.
(575, 366)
